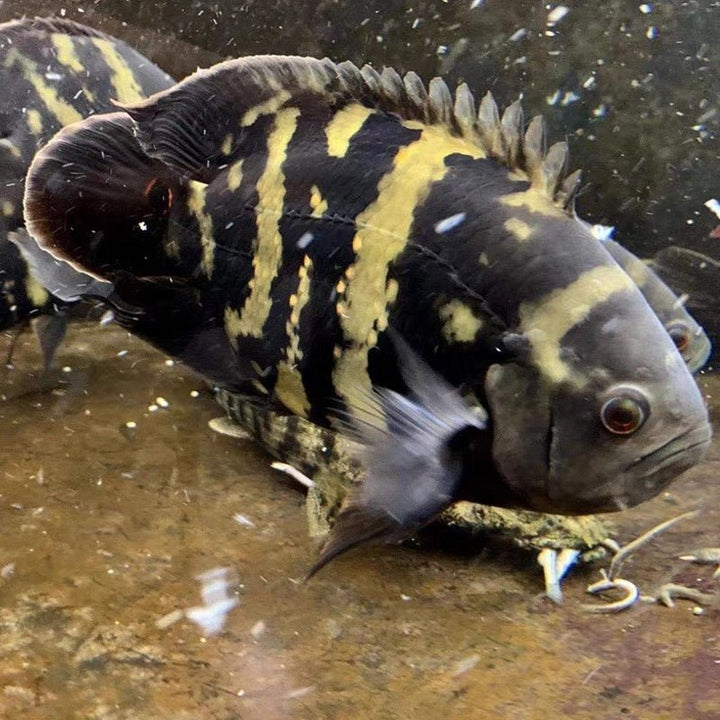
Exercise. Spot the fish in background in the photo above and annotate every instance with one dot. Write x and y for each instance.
(687, 334)
(53, 72)
(343, 245)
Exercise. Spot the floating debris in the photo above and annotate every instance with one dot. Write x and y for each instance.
(448, 223)
(645, 8)
(217, 602)
(258, 630)
(194, 394)
(518, 35)
(170, 619)
(556, 15)
(467, 664)
(651, 33)
(293, 473)
(244, 520)
(305, 239)
(153, 408)
(162, 402)
(107, 317)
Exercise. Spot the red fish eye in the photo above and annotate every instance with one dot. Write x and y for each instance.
(622, 415)
(159, 195)
(680, 335)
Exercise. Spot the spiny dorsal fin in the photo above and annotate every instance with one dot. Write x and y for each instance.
(49, 25)
(188, 126)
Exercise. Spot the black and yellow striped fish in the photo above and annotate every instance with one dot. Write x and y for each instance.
(53, 72)
(353, 244)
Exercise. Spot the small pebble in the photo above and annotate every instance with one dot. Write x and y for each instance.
(152, 408)
(194, 394)
(697, 610)
(67, 369)
(169, 363)
(131, 425)
(162, 402)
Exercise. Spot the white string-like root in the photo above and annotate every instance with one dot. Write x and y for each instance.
(627, 600)
(632, 547)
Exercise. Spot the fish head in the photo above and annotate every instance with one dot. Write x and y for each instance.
(599, 419)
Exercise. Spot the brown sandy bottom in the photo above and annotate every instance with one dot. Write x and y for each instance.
(103, 531)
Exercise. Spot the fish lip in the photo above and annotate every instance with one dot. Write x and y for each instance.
(698, 435)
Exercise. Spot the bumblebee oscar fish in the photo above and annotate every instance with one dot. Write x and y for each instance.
(355, 245)
(53, 72)
(689, 337)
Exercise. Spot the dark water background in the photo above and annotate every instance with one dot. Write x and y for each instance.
(105, 529)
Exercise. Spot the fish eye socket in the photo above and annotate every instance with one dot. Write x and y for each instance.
(681, 335)
(624, 414)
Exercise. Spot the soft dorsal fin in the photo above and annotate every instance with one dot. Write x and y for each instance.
(198, 126)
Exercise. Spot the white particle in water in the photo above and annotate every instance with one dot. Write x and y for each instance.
(448, 223)
(518, 35)
(645, 8)
(217, 602)
(152, 408)
(589, 83)
(476, 4)
(554, 98)
(194, 394)
(169, 362)
(257, 629)
(243, 520)
(162, 402)
(304, 240)
(651, 33)
(569, 98)
(130, 424)
(557, 14)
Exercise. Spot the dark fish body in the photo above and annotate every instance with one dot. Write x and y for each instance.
(53, 73)
(343, 242)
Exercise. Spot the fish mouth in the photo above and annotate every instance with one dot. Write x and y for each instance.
(643, 478)
(668, 454)
(651, 473)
